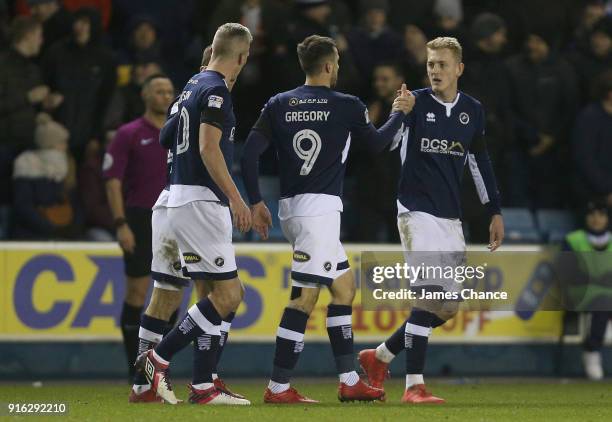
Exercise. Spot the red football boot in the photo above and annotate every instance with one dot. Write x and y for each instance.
(148, 396)
(290, 396)
(157, 373)
(418, 394)
(360, 392)
(214, 396)
(375, 369)
(220, 385)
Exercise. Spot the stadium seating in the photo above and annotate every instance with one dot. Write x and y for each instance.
(520, 226)
(554, 224)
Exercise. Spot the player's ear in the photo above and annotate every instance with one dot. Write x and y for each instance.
(461, 68)
(241, 59)
(329, 68)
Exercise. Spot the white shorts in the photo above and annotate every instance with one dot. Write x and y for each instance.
(166, 266)
(203, 232)
(318, 256)
(420, 233)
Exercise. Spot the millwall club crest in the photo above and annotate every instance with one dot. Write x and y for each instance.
(464, 118)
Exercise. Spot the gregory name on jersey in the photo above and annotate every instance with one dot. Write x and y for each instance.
(442, 146)
(307, 116)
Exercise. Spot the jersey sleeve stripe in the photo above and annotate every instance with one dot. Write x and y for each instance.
(478, 179)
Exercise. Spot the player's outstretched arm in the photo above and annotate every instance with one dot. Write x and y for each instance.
(210, 151)
(255, 145)
(378, 139)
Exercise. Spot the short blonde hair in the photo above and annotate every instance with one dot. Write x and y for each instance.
(447, 42)
(223, 42)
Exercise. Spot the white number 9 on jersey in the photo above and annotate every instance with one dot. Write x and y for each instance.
(309, 156)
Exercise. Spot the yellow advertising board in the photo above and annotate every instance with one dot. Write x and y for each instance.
(68, 291)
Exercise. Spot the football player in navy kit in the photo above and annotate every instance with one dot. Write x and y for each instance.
(166, 270)
(312, 128)
(202, 194)
(443, 133)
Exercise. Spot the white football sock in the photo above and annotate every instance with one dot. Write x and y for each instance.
(277, 388)
(203, 386)
(383, 354)
(349, 378)
(413, 379)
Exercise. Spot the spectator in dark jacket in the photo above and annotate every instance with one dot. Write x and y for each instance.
(543, 95)
(374, 200)
(127, 103)
(314, 17)
(486, 78)
(593, 59)
(414, 57)
(21, 85)
(56, 20)
(592, 144)
(83, 70)
(448, 20)
(44, 183)
(92, 193)
(23, 94)
(263, 18)
(143, 39)
(374, 42)
(593, 11)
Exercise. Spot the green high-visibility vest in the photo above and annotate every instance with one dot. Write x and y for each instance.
(579, 242)
(594, 262)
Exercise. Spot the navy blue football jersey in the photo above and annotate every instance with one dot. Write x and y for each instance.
(312, 128)
(167, 135)
(437, 141)
(205, 99)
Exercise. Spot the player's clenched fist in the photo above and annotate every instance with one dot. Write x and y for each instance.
(241, 214)
(404, 101)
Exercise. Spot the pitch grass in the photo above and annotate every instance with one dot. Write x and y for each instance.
(487, 400)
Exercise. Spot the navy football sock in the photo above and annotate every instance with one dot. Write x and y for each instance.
(200, 319)
(395, 343)
(226, 324)
(205, 350)
(418, 328)
(340, 331)
(289, 344)
(150, 333)
(130, 323)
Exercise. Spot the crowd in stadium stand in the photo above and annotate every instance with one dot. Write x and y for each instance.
(71, 72)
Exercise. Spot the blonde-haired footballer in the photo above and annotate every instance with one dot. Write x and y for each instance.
(443, 133)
